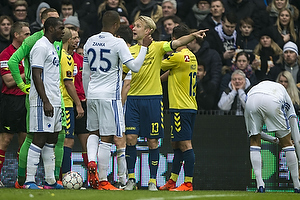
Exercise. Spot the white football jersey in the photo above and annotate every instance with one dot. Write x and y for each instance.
(105, 54)
(43, 55)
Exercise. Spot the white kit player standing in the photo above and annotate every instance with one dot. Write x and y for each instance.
(104, 55)
(269, 103)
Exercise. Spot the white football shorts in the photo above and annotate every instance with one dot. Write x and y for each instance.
(105, 115)
(39, 122)
(264, 109)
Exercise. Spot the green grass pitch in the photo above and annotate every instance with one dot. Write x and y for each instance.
(89, 194)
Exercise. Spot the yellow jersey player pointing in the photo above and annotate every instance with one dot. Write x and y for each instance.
(144, 106)
(182, 66)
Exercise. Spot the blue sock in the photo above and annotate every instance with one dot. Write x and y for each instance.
(130, 153)
(177, 161)
(153, 162)
(66, 163)
(189, 162)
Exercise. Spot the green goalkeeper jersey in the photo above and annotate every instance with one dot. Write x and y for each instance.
(23, 52)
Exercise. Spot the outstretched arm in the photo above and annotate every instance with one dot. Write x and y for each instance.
(184, 40)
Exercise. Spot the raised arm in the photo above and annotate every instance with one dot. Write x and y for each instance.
(184, 40)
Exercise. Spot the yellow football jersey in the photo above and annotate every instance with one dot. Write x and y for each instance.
(182, 79)
(147, 81)
(67, 68)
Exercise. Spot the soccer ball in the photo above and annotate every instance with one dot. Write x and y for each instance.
(72, 180)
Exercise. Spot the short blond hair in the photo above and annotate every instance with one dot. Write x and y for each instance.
(67, 35)
(148, 22)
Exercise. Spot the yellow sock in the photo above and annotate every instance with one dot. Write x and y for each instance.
(188, 179)
(131, 175)
(174, 177)
(152, 180)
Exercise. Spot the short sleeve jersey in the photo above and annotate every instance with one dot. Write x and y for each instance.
(147, 81)
(104, 53)
(43, 55)
(278, 92)
(67, 68)
(181, 80)
(4, 69)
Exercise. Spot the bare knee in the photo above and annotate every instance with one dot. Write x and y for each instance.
(5, 139)
(131, 139)
(152, 143)
(120, 142)
(69, 142)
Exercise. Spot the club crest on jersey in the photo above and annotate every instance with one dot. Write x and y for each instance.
(57, 48)
(186, 58)
(55, 61)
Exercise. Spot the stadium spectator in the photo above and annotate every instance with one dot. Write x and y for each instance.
(169, 8)
(215, 17)
(87, 12)
(246, 41)
(73, 22)
(284, 29)
(116, 5)
(223, 38)
(38, 25)
(169, 23)
(149, 8)
(20, 11)
(8, 8)
(205, 90)
(234, 95)
(266, 54)
(67, 9)
(211, 60)
(275, 6)
(13, 111)
(199, 12)
(5, 28)
(289, 60)
(241, 8)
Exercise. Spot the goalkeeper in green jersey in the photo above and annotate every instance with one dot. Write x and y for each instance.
(13, 63)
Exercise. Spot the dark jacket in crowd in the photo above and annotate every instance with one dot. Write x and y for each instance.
(213, 63)
(4, 43)
(262, 74)
(247, 44)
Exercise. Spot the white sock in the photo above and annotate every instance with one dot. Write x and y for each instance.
(103, 159)
(121, 165)
(33, 159)
(295, 136)
(291, 161)
(255, 158)
(49, 163)
(269, 138)
(92, 147)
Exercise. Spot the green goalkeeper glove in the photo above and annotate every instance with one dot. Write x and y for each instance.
(24, 87)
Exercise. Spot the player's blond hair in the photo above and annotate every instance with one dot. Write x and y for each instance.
(148, 22)
(67, 35)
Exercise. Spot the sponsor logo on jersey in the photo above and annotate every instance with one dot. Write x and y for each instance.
(68, 73)
(186, 58)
